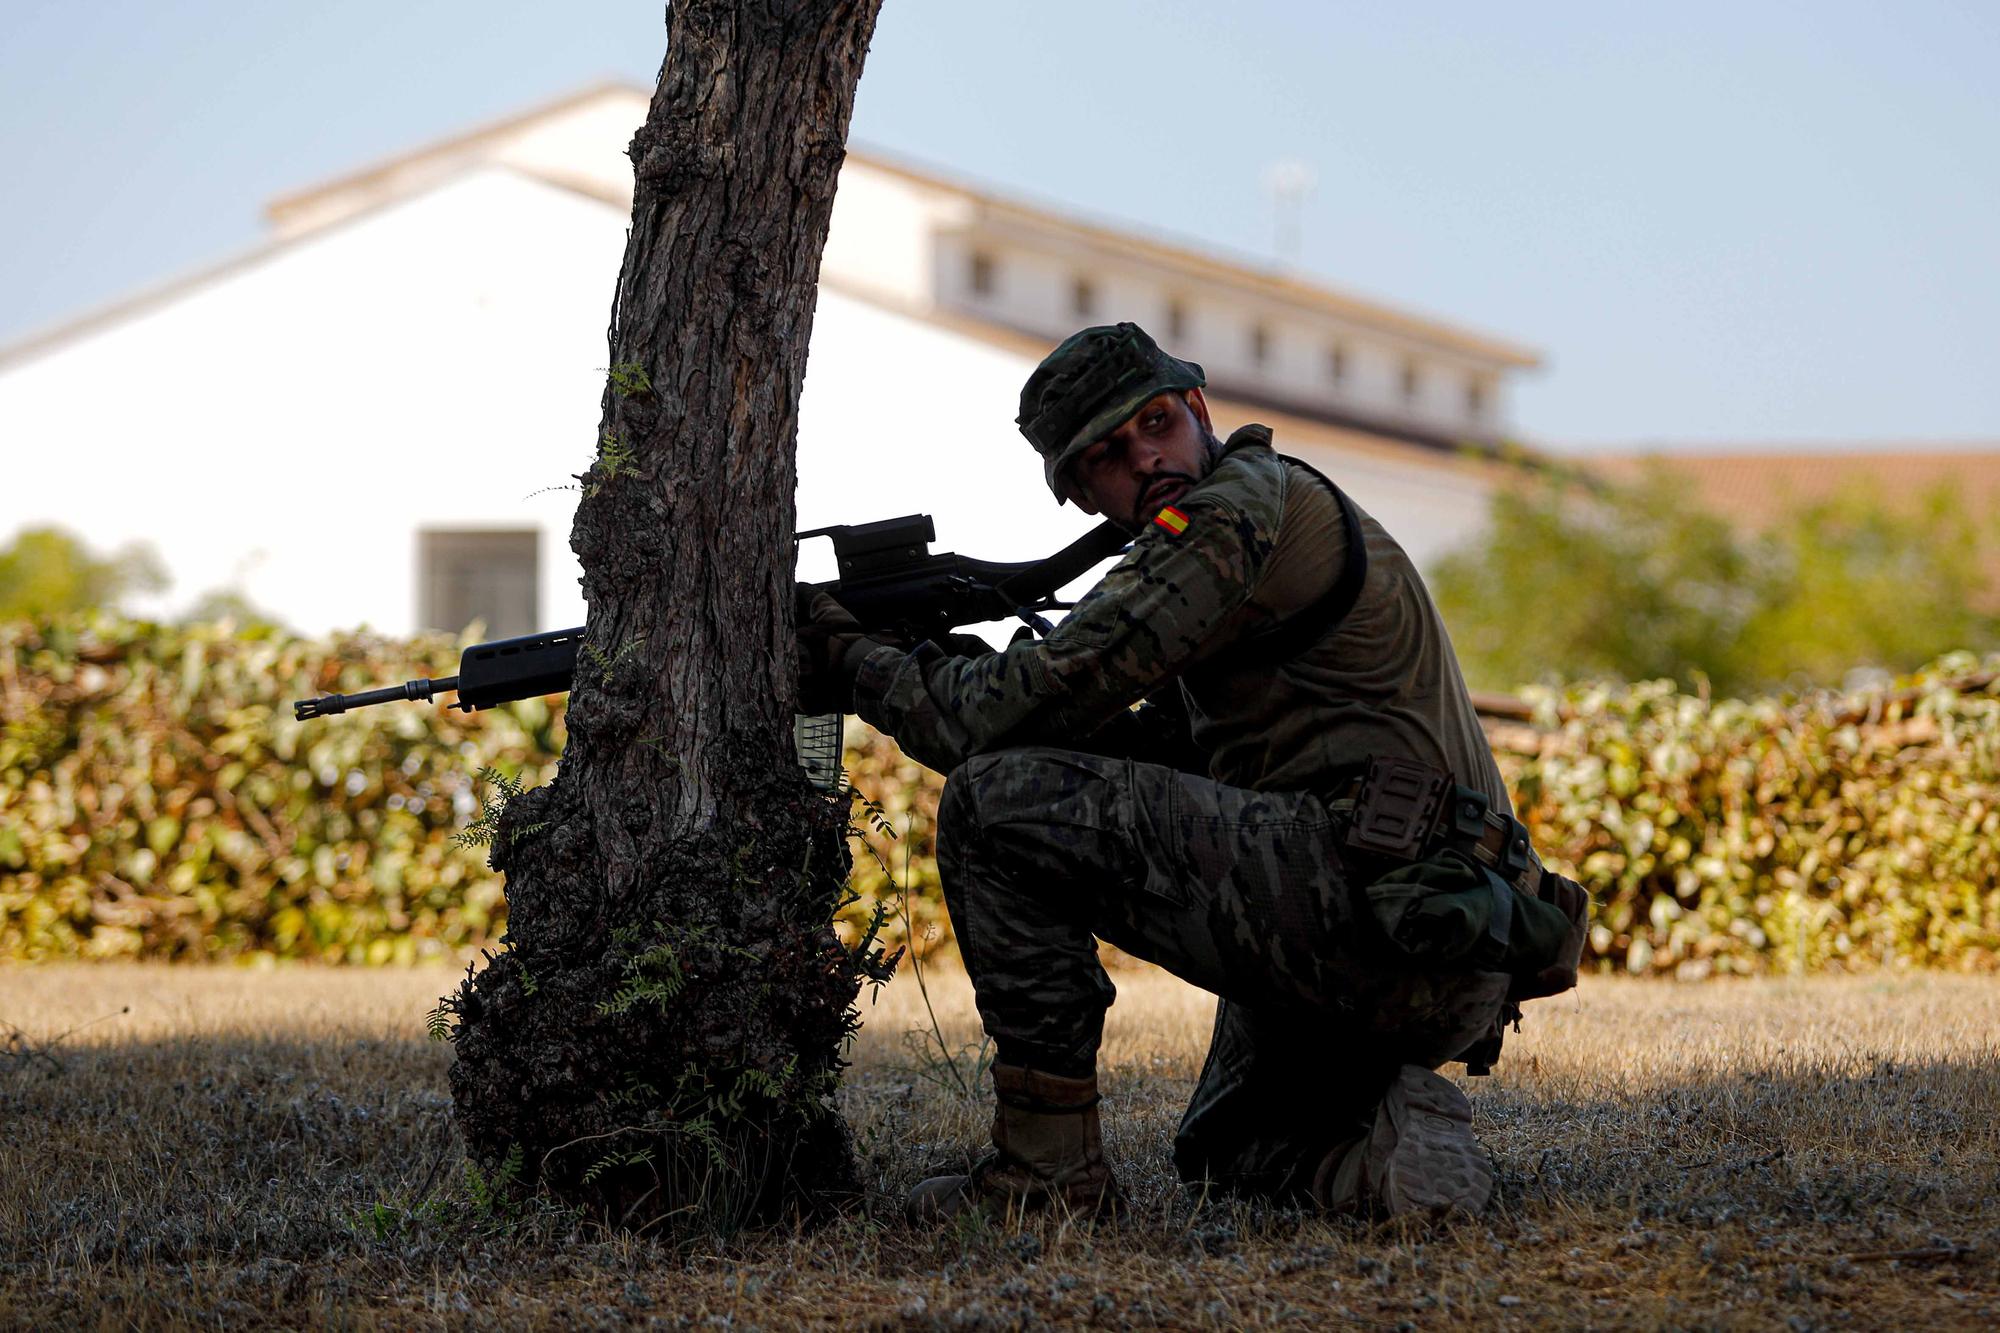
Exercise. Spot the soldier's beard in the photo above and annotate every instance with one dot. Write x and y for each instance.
(1150, 502)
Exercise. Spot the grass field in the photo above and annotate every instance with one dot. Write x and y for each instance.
(224, 1148)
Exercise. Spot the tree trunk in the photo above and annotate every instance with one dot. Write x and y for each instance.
(661, 1038)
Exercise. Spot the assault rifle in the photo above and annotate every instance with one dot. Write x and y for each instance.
(889, 580)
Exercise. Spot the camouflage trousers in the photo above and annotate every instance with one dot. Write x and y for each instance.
(1244, 893)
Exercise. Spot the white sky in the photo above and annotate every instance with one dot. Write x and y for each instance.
(1745, 223)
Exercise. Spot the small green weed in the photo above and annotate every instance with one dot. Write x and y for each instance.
(606, 663)
(493, 1195)
(387, 1223)
(485, 827)
(630, 380)
(658, 974)
(438, 1021)
(614, 459)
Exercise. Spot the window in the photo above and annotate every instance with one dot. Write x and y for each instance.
(1083, 297)
(1260, 344)
(1412, 379)
(494, 576)
(1177, 320)
(1336, 364)
(979, 273)
(1475, 397)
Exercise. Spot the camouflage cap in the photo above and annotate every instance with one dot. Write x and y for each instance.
(1089, 386)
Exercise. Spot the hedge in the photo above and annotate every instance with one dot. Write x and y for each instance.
(1773, 834)
(157, 800)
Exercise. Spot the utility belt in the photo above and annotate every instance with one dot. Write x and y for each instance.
(1403, 810)
(1456, 883)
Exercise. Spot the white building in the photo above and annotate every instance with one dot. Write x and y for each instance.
(370, 418)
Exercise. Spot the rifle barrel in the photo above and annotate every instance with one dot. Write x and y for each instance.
(328, 704)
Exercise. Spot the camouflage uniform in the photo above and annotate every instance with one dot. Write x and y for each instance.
(1055, 829)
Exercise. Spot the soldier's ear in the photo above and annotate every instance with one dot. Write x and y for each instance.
(1199, 406)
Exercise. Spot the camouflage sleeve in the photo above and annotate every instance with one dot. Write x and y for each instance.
(1135, 629)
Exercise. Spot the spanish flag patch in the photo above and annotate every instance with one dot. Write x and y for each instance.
(1172, 519)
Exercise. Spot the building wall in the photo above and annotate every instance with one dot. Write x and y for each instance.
(288, 427)
(908, 239)
(1428, 510)
(585, 145)
(1033, 285)
(879, 239)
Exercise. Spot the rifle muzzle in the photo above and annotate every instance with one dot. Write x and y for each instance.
(329, 704)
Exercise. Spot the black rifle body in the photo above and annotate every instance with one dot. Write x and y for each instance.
(889, 580)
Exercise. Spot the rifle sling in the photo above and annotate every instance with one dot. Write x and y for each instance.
(1043, 578)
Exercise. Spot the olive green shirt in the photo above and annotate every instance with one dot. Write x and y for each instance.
(1263, 541)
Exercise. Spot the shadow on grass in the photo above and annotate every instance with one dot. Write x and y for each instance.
(209, 1147)
(264, 1176)
(1895, 1147)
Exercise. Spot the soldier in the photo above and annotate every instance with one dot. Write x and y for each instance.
(1303, 818)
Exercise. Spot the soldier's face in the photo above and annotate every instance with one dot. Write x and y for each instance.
(1147, 463)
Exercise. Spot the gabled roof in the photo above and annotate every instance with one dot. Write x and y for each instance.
(415, 167)
(309, 211)
(412, 168)
(182, 284)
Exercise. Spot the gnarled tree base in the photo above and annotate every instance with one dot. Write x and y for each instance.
(677, 1066)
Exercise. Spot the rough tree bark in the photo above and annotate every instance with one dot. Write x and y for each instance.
(662, 1035)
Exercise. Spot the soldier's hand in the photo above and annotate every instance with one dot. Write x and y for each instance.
(831, 646)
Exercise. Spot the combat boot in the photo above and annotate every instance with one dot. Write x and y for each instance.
(1048, 1152)
(1418, 1157)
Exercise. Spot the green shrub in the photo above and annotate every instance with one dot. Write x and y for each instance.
(46, 571)
(1764, 834)
(1641, 582)
(158, 801)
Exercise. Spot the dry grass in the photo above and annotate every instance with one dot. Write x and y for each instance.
(239, 1149)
